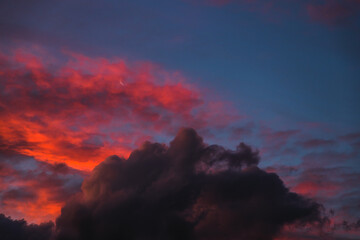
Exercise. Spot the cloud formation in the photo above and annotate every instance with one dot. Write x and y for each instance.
(187, 190)
(330, 12)
(90, 108)
(334, 11)
(67, 112)
(35, 190)
(20, 230)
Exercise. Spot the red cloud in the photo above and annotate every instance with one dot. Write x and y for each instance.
(82, 112)
(314, 187)
(90, 108)
(34, 190)
(333, 11)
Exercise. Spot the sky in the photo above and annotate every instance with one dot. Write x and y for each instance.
(83, 84)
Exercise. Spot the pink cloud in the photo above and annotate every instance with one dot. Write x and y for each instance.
(328, 12)
(333, 11)
(80, 112)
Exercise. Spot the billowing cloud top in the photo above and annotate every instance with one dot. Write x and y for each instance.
(187, 190)
(291, 67)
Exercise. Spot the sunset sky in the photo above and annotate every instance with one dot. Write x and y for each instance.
(82, 81)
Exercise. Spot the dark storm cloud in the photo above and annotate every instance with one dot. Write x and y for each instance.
(187, 190)
(20, 230)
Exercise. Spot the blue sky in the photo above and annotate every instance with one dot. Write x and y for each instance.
(279, 62)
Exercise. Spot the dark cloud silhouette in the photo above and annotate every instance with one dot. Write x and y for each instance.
(187, 190)
(19, 230)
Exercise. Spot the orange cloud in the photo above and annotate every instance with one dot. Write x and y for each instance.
(92, 108)
(79, 110)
